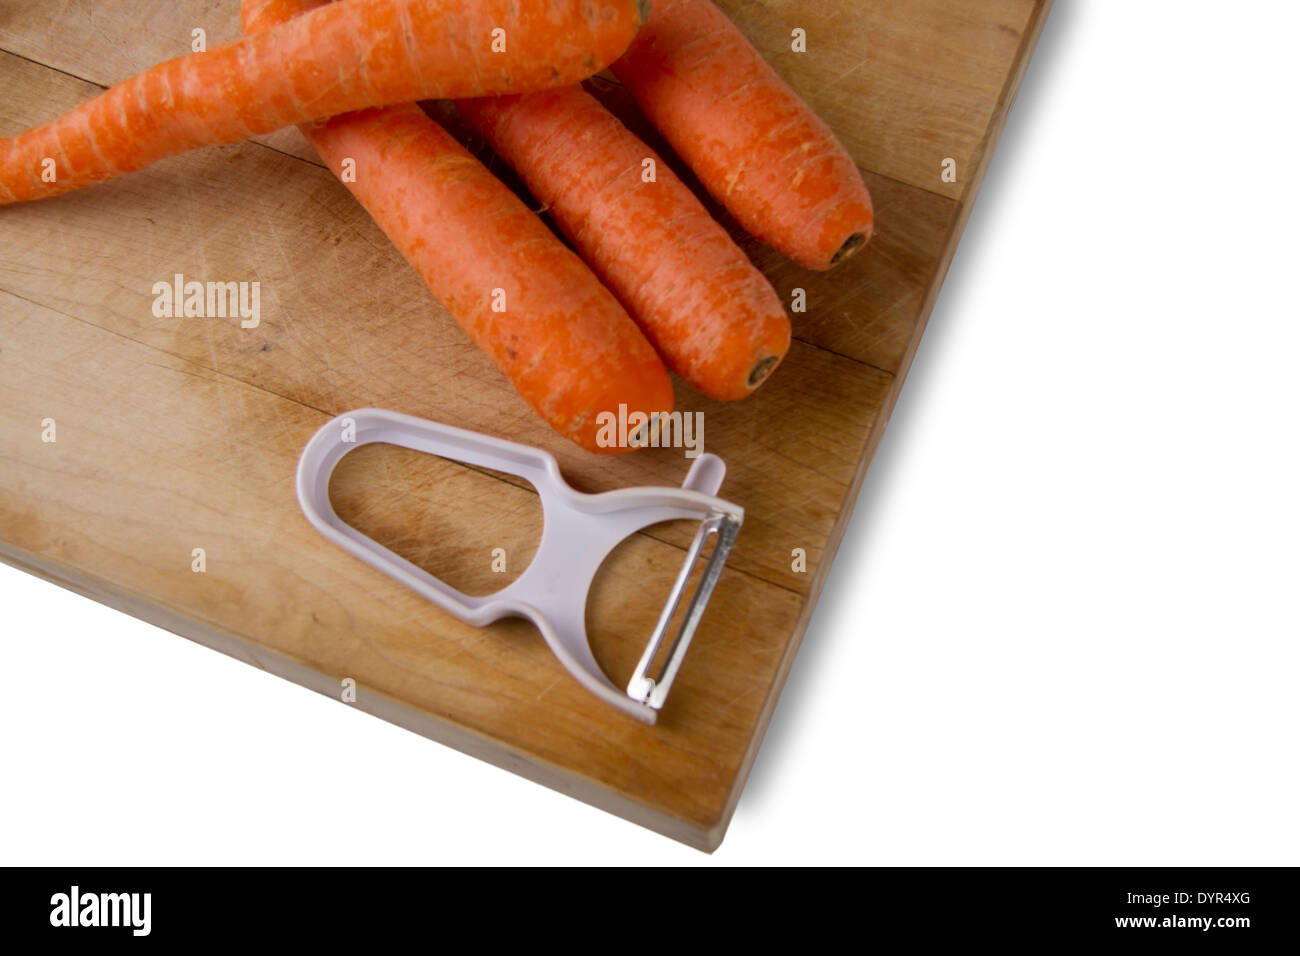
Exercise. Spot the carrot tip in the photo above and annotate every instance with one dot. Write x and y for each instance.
(851, 245)
(762, 370)
(644, 8)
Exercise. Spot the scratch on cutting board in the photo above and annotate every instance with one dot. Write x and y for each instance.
(854, 68)
(549, 687)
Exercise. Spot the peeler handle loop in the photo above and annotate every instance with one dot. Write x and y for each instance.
(367, 426)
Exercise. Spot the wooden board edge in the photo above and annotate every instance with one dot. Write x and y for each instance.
(1005, 101)
(386, 708)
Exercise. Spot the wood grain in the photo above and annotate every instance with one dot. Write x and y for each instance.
(183, 433)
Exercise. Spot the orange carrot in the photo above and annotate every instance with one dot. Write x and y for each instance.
(755, 145)
(345, 56)
(713, 317)
(561, 338)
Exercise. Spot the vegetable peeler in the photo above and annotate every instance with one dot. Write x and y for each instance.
(579, 531)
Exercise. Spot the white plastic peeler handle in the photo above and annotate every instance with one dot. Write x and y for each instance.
(578, 532)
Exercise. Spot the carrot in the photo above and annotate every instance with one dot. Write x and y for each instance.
(755, 145)
(562, 339)
(713, 317)
(346, 56)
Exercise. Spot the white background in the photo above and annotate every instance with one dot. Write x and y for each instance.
(1063, 624)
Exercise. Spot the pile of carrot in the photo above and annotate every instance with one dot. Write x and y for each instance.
(654, 280)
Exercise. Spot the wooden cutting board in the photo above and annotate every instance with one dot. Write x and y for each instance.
(181, 434)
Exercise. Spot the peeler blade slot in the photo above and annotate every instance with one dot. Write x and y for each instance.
(653, 691)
